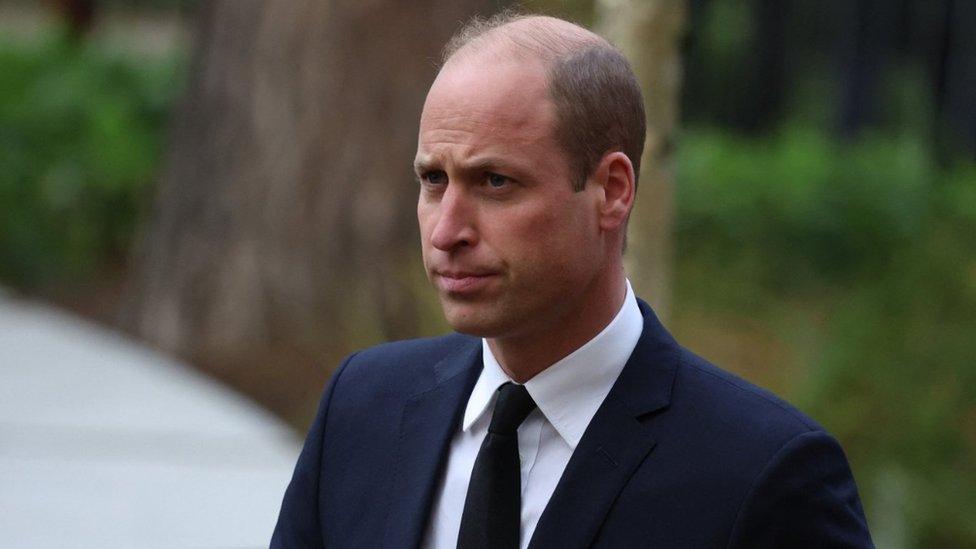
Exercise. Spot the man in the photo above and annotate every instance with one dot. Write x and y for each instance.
(567, 416)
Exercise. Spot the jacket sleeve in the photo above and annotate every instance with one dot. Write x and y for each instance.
(299, 522)
(805, 497)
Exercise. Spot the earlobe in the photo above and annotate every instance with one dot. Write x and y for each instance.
(618, 180)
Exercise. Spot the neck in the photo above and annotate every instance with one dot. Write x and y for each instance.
(525, 355)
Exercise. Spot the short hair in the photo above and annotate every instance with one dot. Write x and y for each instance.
(598, 102)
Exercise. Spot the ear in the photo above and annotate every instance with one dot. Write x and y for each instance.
(618, 183)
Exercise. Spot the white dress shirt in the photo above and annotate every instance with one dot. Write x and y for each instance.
(568, 394)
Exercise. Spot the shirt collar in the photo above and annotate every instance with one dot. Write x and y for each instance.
(570, 391)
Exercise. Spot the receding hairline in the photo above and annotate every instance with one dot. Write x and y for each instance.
(598, 102)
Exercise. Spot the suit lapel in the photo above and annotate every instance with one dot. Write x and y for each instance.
(615, 443)
(429, 419)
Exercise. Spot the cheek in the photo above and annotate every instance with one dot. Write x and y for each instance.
(424, 216)
(424, 224)
(546, 238)
(522, 230)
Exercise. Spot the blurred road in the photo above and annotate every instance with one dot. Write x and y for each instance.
(104, 443)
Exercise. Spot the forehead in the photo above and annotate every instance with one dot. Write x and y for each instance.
(487, 101)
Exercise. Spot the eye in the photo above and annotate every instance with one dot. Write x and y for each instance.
(434, 177)
(496, 181)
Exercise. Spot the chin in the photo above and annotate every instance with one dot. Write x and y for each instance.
(474, 321)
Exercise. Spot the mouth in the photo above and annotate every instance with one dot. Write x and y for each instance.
(462, 282)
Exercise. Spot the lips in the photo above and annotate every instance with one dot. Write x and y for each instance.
(463, 282)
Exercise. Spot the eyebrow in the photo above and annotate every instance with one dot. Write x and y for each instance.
(421, 165)
(485, 163)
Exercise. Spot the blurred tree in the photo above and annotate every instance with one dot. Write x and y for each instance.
(868, 41)
(77, 14)
(738, 62)
(879, 36)
(854, 65)
(956, 76)
(649, 32)
(283, 233)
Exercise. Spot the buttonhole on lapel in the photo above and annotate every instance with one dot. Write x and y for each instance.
(606, 455)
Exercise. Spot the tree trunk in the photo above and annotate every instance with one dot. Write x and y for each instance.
(649, 33)
(284, 231)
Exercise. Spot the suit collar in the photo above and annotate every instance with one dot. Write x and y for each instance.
(645, 384)
(615, 443)
(430, 417)
(465, 357)
(570, 391)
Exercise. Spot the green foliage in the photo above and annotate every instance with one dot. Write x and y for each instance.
(879, 237)
(812, 208)
(80, 139)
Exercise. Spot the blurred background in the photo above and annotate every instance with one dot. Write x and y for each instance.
(223, 190)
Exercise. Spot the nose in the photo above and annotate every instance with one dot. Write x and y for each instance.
(454, 221)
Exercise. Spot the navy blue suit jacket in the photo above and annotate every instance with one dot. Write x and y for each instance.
(680, 454)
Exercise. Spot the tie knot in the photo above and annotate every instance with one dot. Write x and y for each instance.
(513, 405)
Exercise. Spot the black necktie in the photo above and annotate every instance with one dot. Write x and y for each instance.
(492, 509)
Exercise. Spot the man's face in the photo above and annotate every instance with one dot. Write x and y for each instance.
(507, 243)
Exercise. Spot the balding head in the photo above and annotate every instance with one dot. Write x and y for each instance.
(521, 36)
(599, 108)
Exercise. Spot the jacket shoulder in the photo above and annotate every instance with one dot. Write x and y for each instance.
(399, 366)
(420, 348)
(733, 410)
(788, 483)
